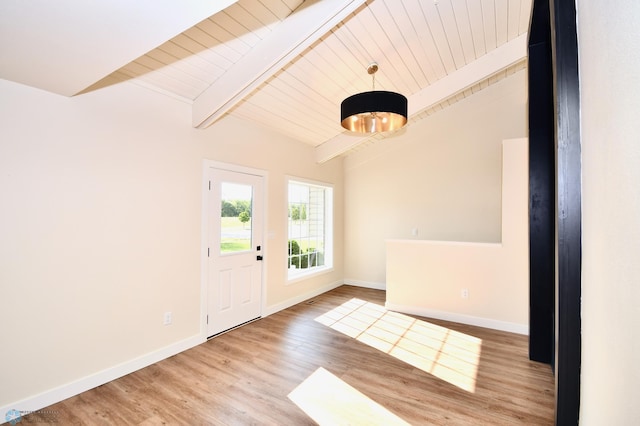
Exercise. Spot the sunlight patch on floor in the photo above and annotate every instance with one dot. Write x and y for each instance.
(447, 354)
(330, 401)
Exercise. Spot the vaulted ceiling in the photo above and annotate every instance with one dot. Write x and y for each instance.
(285, 64)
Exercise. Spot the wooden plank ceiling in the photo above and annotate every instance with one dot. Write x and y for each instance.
(288, 64)
(63, 46)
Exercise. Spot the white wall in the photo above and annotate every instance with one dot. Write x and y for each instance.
(609, 50)
(442, 176)
(426, 278)
(100, 231)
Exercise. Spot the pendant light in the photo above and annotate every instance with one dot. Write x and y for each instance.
(374, 111)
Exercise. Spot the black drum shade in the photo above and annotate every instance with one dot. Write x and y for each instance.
(375, 111)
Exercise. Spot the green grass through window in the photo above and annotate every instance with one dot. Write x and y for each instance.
(233, 244)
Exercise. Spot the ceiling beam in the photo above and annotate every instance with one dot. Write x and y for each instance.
(301, 29)
(482, 68)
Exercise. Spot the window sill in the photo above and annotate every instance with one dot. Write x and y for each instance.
(303, 274)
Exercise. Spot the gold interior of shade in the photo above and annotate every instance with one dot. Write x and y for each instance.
(372, 122)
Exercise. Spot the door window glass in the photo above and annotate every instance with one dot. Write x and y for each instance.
(235, 218)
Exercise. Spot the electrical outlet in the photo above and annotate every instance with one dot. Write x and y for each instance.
(464, 293)
(167, 318)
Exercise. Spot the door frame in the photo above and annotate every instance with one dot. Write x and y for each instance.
(204, 235)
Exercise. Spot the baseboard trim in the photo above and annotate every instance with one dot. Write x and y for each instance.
(47, 398)
(460, 318)
(269, 310)
(366, 284)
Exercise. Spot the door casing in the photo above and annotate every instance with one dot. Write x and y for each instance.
(205, 232)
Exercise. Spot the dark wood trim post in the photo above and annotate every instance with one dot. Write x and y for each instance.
(569, 211)
(542, 182)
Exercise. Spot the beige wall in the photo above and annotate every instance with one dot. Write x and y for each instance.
(426, 278)
(100, 231)
(442, 176)
(609, 63)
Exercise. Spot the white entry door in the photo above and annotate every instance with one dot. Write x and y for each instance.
(235, 249)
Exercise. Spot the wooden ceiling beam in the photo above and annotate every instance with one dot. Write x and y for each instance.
(290, 38)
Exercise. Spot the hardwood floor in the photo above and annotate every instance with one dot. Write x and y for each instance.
(395, 369)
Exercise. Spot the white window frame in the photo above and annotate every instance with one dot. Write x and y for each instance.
(294, 275)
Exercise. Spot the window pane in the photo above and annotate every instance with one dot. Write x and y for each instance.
(235, 218)
(309, 227)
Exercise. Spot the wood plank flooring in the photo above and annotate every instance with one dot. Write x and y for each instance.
(315, 354)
